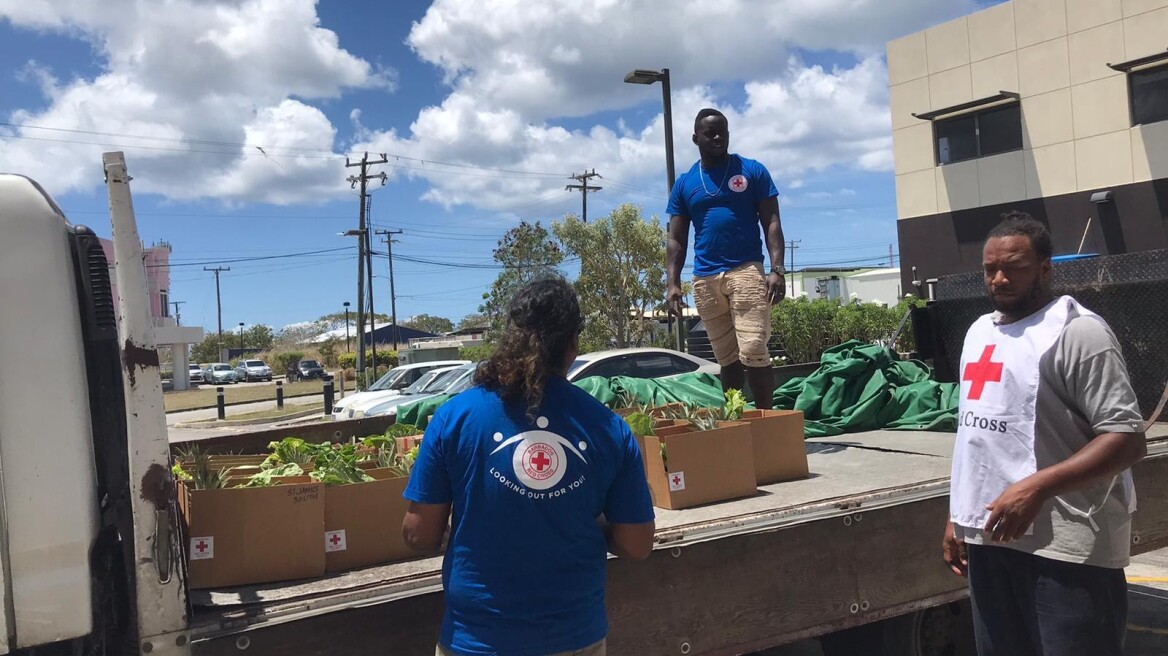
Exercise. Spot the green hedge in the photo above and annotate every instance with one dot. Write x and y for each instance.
(806, 328)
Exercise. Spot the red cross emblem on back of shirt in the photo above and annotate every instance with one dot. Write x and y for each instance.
(981, 372)
(540, 461)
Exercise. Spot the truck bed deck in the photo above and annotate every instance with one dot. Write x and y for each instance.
(851, 475)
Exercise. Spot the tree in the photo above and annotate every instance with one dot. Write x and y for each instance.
(430, 324)
(336, 320)
(258, 336)
(527, 253)
(622, 275)
(208, 349)
(473, 320)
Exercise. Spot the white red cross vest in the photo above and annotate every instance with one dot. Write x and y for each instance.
(995, 422)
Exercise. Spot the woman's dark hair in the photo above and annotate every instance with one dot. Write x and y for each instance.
(542, 320)
(1022, 224)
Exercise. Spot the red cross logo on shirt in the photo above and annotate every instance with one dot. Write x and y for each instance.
(201, 547)
(738, 183)
(981, 372)
(540, 461)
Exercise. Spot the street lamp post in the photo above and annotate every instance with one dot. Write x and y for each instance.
(644, 76)
(348, 348)
(241, 339)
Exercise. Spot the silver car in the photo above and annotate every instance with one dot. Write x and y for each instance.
(219, 372)
(249, 370)
(451, 382)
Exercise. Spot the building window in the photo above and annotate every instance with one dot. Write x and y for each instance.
(978, 134)
(165, 299)
(1149, 95)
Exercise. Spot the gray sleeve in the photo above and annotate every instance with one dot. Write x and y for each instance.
(1096, 377)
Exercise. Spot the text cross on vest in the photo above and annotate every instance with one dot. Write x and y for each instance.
(201, 546)
(335, 539)
(540, 461)
(981, 372)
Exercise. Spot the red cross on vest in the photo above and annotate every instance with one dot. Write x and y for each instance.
(981, 372)
(540, 461)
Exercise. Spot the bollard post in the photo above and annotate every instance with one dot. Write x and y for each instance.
(279, 395)
(328, 395)
(219, 403)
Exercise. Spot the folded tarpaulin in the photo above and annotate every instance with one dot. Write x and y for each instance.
(860, 387)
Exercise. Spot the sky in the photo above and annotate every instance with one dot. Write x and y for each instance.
(237, 118)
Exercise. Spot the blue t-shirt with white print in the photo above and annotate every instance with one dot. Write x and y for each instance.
(524, 569)
(722, 205)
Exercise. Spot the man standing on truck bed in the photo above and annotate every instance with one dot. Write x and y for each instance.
(543, 479)
(1041, 497)
(727, 197)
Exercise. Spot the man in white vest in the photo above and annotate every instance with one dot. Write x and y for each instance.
(1041, 494)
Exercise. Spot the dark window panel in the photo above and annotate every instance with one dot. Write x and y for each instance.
(1149, 95)
(956, 138)
(1000, 130)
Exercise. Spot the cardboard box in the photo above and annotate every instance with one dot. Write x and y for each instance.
(703, 466)
(362, 523)
(780, 454)
(239, 536)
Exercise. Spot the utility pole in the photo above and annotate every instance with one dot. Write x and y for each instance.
(218, 302)
(891, 258)
(362, 228)
(389, 242)
(793, 244)
(368, 237)
(177, 316)
(584, 188)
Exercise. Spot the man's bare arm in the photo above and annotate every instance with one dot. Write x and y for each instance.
(675, 251)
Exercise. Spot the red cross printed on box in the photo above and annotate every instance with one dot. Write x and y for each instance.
(676, 479)
(981, 372)
(201, 546)
(335, 539)
(540, 461)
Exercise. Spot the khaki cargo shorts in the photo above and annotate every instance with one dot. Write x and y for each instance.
(592, 650)
(733, 305)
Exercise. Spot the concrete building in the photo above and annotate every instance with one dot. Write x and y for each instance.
(1058, 108)
(865, 285)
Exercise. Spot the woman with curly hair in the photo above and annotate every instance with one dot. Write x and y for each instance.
(539, 481)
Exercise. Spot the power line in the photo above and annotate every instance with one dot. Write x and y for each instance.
(246, 259)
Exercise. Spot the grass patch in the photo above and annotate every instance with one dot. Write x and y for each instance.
(204, 397)
(276, 414)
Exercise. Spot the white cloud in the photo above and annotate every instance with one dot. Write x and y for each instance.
(525, 81)
(197, 77)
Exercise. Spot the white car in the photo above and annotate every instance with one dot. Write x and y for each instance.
(451, 382)
(196, 373)
(639, 363)
(389, 385)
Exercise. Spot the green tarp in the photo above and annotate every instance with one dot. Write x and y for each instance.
(857, 387)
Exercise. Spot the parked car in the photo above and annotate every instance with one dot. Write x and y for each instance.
(306, 370)
(196, 373)
(357, 407)
(392, 382)
(219, 372)
(639, 363)
(451, 382)
(249, 370)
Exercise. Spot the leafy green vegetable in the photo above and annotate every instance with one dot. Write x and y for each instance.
(292, 450)
(735, 404)
(264, 478)
(640, 423)
(402, 430)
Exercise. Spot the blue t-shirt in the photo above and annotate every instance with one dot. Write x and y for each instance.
(722, 205)
(525, 566)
